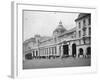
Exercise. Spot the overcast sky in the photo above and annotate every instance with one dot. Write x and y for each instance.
(44, 23)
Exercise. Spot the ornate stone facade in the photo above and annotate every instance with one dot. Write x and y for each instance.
(64, 43)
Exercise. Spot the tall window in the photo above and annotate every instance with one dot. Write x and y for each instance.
(89, 21)
(79, 34)
(84, 22)
(79, 25)
(89, 31)
(84, 32)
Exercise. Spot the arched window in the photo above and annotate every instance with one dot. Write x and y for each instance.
(73, 49)
(88, 51)
(80, 51)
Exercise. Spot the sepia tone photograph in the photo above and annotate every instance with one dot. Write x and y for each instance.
(56, 39)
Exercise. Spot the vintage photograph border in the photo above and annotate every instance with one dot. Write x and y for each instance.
(16, 67)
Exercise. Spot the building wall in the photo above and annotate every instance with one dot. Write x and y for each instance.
(80, 27)
(54, 45)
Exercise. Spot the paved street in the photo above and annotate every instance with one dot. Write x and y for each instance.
(51, 63)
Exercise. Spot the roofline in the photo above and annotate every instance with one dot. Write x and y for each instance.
(82, 17)
(69, 31)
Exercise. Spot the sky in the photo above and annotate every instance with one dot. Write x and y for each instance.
(44, 23)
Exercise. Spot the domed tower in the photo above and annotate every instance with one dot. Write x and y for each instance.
(59, 30)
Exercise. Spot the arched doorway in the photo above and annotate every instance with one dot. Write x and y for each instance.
(65, 50)
(80, 51)
(28, 56)
(88, 51)
(74, 50)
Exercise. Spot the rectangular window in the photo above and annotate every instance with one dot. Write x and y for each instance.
(84, 23)
(79, 25)
(79, 34)
(84, 32)
(89, 31)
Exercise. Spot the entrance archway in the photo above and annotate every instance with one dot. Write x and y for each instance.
(81, 51)
(74, 50)
(65, 50)
(88, 51)
(28, 56)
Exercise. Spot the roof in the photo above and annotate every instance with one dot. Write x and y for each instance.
(44, 38)
(69, 31)
(29, 40)
(82, 15)
(59, 28)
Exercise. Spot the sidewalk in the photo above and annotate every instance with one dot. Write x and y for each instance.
(51, 63)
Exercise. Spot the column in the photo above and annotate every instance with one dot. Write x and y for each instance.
(38, 54)
(34, 52)
(47, 51)
(70, 50)
(54, 51)
(51, 50)
(61, 50)
(57, 50)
